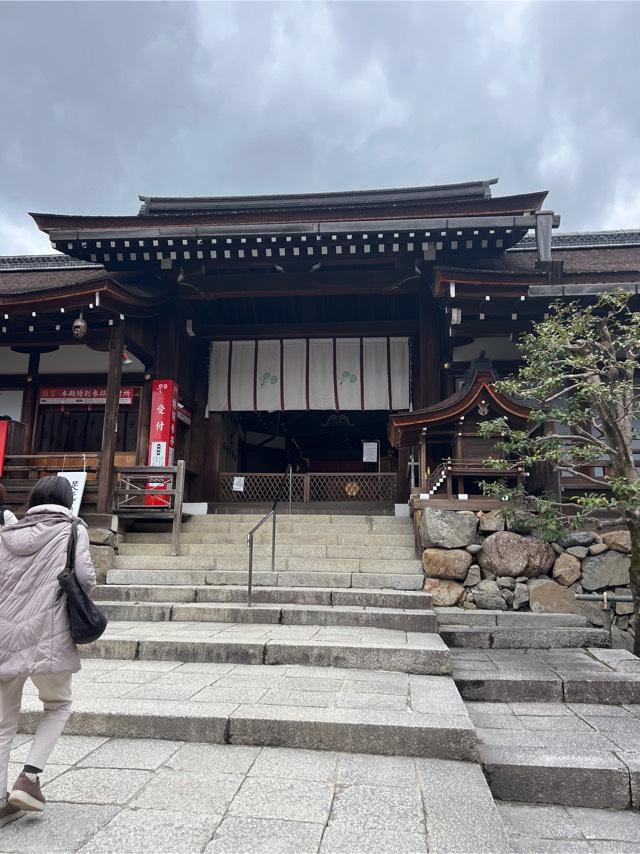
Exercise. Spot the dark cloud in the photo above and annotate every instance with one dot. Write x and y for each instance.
(101, 101)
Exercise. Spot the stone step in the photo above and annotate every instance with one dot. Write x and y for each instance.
(567, 777)
(286, 527)
(523, 619)
(419, 600)
(594, 675)
(526, 637)
(285, 615)
(332, 709)
(315, 519)
(234, 563)
(263, 550)
(320, 646)
(572, 754)
(328, 538)
(359, 580)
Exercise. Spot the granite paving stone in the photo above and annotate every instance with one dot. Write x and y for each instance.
(62, 827)
(96, 785)
(154, 830)
(378, 807)
(598, 824)
(355, 839)
(214, 758)
(313, 765)
(189, 791)
(132, 753)
(376, 770)
(291, 800)
(265, 836)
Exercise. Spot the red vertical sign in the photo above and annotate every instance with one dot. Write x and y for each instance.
(4, 430)
(162, 432)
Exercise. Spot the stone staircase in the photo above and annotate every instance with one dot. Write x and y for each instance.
(339, 650)
(342, 651)
(363, 552)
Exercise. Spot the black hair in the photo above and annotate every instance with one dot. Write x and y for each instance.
(4, 498)
(52, 490)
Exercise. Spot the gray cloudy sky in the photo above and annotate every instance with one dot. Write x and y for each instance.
(102, 101)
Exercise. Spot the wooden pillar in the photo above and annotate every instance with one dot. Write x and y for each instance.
(429, 332)
(110, 426)
(30, 403)
(144, 423)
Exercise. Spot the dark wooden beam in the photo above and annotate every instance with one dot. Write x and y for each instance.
(428, 349)
(309, 284)
(110, 425)
(30, 402)
(306, 330)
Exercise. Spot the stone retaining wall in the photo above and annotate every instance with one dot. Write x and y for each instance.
(102, 543)
(472, 561)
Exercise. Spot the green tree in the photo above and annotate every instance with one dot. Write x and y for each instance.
(580, 368)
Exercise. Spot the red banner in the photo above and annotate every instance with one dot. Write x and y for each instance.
(4, 430)
(162, 432)
(76, 396)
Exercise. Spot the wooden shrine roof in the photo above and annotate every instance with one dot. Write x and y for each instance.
(405, 429)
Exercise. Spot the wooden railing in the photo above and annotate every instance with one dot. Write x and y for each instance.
(148, 492)
(21, 471)
(322, 487)
(439, 482)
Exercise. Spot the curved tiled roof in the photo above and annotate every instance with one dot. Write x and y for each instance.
(55, 261)
(582, 240)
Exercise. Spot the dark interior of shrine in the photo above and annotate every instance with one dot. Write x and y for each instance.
(315, 441)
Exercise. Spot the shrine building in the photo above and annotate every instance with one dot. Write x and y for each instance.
(354, 337)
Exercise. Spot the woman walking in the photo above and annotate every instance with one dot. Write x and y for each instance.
(35, 638)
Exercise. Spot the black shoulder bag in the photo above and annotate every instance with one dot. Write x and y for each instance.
(86, 620)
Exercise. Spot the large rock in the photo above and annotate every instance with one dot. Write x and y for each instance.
(578, 551)
(520, 523)
(491, 522)
(620, 541)
(610, 569)
(104, 559)
(473, 576)
(549, 597)
(448, 529)
(520, 596)
(578, 538)
(102, 537)
(487, 595)
(446, 563)
(506, 553)
(445, 593)
(566, 569)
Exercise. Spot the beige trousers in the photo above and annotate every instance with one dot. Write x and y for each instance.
(54, 690)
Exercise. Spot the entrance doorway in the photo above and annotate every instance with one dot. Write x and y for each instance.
(324, 450)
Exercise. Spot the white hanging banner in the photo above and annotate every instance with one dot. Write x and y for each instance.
(295, 374)
(78, 481)
(298, 374)
(219, 377)
(349, 373)
(399, 373)
(322, 389)
(376, 373)
(269, 381)
(243, 376)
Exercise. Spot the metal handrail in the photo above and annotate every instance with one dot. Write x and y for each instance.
(272, 514)
(607, 600)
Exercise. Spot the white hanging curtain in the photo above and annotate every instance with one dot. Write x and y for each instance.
(309, 373)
